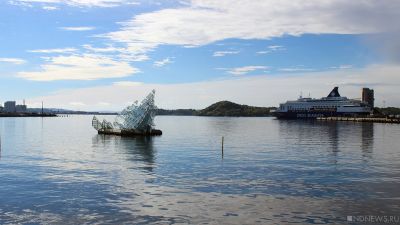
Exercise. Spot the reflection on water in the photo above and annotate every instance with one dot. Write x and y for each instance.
(331, 135)
(137, 149)
(367, 139)
(55, 170)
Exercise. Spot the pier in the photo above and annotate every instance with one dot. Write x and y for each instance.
(361, 119)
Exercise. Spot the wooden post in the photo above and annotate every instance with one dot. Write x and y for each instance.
(222, 145)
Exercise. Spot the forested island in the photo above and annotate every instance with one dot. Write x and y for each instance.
(222, 108)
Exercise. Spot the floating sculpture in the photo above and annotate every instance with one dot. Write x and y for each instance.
(133, 120)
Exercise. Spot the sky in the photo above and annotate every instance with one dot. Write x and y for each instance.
(105, 54)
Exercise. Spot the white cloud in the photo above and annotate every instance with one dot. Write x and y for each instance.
(272, 48)
(54, 50)
(342, 67)
(122, 53)
(256, 90)
(20, 3)
(103, 50)
(77, 104)
(163, 62)
(15, 61)
(80, 3)
(130, 52)
(205, 21)
(104, 104)
(127, 83)
(137, 51)
(49, 8)
(224, 53)
(245, 69)
(77, 28)
(200, 22)
(80, 67)
(276, 48)
(131, 57)
(263, 52)
(295, 69)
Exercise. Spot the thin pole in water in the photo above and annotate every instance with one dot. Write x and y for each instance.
(222, 147)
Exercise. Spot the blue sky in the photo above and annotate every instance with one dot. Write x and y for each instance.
(69, 52)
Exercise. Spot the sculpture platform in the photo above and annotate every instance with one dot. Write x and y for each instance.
(131, 133)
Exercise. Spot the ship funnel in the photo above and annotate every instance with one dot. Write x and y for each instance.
(334, 93)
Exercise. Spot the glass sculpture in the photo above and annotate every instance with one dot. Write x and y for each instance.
(135, 117)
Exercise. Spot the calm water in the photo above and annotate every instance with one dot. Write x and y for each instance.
(58, 170)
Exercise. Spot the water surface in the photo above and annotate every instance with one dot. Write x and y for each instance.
(59, 170)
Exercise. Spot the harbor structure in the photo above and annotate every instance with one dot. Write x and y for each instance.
(332, 105)
(21, 108)
(368, 97)
(10, 107)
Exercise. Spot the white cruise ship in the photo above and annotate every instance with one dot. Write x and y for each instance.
(332, 105)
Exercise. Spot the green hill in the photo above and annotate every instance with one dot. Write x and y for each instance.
(223, 108)
(227, 108)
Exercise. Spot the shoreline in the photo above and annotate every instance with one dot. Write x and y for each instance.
(27, 115)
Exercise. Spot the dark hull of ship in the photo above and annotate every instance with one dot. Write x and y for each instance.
(313, 115)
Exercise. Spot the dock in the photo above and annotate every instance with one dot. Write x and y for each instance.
(130, 133)
(361, 119)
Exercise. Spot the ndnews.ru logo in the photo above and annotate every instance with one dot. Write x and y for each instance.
(374, 219)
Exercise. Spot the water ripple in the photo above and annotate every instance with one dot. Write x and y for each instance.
(58, 170)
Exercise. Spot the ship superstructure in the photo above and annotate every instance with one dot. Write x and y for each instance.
(332, 105)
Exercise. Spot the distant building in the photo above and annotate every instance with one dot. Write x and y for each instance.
(9, 106)
(20, 108)
(368, 97)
